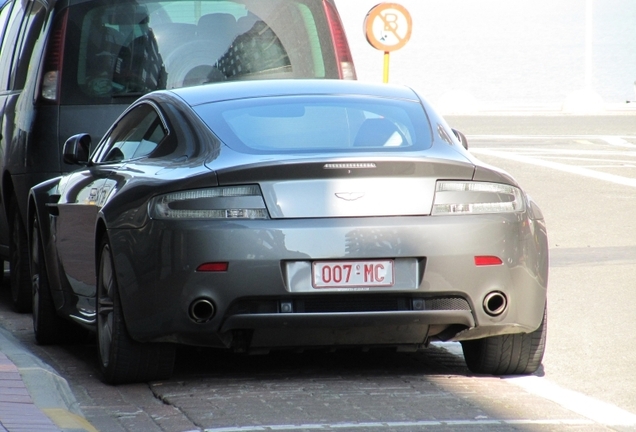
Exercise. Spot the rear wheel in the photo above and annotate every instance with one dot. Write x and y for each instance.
(121, 359)
(19, 262)
(514, 354)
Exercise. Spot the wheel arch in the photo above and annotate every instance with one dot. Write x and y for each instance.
(36, 207)
(100, 232)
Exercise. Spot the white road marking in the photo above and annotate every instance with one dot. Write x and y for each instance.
(597, 411)
(618, 141)
(546, 151)
(591, 408)
(625, 181)
(412, 424)
(544, 137)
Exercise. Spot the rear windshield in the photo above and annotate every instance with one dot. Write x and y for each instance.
(127, 48)
(306, 124)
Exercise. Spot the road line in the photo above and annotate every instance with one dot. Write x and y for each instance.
(413, 424)
(625, 181)
(543, 137)
(591, 408)
(617, 141)
(615, 162)
(545, 151)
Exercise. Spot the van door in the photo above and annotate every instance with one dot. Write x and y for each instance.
(11, 16)
(23, 29)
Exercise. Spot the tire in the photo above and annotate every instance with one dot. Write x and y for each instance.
(121, 359)
(20, 276)
(513, 354)
(48, 327)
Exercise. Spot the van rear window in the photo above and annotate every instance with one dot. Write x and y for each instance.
(128, 48)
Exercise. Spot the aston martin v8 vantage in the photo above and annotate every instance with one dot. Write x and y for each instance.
(281, 214)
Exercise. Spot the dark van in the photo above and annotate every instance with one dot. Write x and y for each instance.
(62, 59)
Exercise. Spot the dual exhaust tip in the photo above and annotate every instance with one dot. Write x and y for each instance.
(202, 310)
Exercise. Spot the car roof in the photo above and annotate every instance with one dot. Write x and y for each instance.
(217, 92)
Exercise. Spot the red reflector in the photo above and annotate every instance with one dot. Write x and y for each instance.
(487, 261)
(213, 267)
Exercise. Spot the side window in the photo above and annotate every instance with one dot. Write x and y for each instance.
(9, 43)
(136, 135)
(33, 23)
(5, 10)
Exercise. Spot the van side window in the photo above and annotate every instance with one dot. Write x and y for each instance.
(9, 43)
(136, 135)
(5, 10)
(33, 23)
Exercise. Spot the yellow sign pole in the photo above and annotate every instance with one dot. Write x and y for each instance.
(386, 67)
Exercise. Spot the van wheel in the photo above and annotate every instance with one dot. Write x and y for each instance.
(48, 326)
(121, 359)
(513, 354)
(19, 262)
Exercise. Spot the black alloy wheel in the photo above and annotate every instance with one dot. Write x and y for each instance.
(122, 359)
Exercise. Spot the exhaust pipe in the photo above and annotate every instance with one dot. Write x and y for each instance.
(201, 310)
(495, 303)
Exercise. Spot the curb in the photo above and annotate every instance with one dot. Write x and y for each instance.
(49, 391)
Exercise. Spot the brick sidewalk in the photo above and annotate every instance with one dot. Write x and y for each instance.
(17, 410)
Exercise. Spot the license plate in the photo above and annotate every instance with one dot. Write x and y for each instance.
(352, 274)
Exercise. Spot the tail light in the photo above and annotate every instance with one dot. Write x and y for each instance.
(52, 72)
(230, 202)
(461, 197)
(344, 59)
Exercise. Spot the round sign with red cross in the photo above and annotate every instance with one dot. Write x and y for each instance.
(388, 26)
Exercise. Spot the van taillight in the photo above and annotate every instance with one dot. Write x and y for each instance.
(340, 44)
(52, 72)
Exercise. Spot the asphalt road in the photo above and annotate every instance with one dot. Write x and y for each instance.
(582, 172)
(584, 179)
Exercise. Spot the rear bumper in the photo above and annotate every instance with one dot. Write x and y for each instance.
(156, 268)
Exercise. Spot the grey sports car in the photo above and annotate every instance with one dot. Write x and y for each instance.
(275, 214)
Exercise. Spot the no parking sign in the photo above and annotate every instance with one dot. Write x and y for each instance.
(387, 27)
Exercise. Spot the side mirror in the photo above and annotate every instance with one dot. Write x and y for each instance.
(76, 149)
(461, 137)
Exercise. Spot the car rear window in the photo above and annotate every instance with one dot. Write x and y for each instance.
(305, 124)
(128, 48)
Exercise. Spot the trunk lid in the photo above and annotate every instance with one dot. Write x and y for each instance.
(348, 188)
